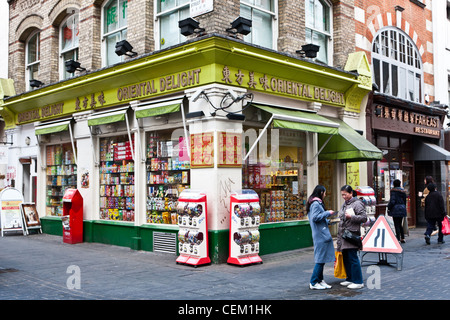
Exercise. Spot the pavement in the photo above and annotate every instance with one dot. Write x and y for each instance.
(42, 267)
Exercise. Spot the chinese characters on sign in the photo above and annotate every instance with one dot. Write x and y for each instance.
(421, 124)
(293, 88)
(230, 149)
(202, 150)
(92, 101)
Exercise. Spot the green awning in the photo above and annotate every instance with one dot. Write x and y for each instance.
(106, 118)
(300, 120)
(158, 109)
(348, 146)
(52, 128)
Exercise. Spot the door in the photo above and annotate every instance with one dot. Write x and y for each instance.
(408, 185)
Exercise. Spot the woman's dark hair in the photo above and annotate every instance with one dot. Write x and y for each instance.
(428, 180)
(397, 183)
(318, 192)
(431, 187)
(347, 188)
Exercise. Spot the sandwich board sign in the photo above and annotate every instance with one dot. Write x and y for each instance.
(381, 238)
(10, 212)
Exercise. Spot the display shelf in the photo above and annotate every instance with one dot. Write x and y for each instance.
(117, 179)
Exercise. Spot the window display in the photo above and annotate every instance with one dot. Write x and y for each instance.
(116, 179)
(61, 174)
(280, 184)
(168, 169)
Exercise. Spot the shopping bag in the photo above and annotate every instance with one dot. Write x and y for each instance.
(339, 269)
(446, 226)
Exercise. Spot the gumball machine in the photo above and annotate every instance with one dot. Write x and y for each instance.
(244, 228)
(193, 233)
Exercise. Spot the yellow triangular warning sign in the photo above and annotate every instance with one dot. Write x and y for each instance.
(381, 238)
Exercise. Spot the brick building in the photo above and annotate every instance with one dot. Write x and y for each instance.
(397, 37)
(213, 110)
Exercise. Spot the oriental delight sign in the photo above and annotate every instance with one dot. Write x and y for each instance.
(404, 121)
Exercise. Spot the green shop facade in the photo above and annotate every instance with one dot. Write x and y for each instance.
(214, 114)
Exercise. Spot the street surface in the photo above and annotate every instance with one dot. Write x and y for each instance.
(42, 267)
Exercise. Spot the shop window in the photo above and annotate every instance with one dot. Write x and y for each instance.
(61, 174)
(397, 65)
(168, 173)
(33, 49)
(169, 12)
(69, 39)
(318, 26)
(262, 14)
(115, 15)
(116, 179)
(279, 178)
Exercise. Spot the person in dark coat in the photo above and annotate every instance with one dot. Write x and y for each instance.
(397, 209)
(434, 213)
(323, 242)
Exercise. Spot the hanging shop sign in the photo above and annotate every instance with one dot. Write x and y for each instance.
(404, 121)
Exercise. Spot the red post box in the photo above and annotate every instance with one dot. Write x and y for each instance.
(72, 219)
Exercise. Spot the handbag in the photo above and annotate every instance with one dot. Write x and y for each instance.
(339, 269)
(446, 226)
(353, 238)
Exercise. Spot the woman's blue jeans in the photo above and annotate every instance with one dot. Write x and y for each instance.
(352, 265)
(317, 275)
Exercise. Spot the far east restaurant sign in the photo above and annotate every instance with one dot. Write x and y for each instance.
(408, 122)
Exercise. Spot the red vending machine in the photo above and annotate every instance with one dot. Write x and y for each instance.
(244, 228)
(193, 233)
(72, 219)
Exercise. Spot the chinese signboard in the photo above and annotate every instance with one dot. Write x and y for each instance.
(404, 121)
(202, 150)
(230, 150)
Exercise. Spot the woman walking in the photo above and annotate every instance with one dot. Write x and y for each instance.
(397, 209)
(352, 214)
(323, 242)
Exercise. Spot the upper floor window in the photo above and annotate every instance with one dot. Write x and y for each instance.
(397, 65)
(69, 38)
(32, 58)
(262, 14)
(114, 29)
(318, 27)
(168, 13)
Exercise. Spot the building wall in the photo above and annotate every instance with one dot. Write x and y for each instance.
(415, 20)
(28, 16)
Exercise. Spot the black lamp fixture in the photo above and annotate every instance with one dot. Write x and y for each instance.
(190, 26)
(235, 116)
(194, 114)
(72, 66)
(240, 25)
(34, 83)
(123, 47)
(309, 50)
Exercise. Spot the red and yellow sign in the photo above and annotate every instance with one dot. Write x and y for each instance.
(202, 150)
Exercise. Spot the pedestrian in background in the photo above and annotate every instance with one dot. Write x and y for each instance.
(426, 181)
(397, 209)
(322, 239)
(351, 215)
(434, 213)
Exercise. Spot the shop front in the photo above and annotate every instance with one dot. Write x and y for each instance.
(409, 134)
(214, 115)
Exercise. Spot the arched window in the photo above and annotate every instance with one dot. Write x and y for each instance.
(69, 39)
(318, 27)
(32, 58)
(114, 29)
(397, 65)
